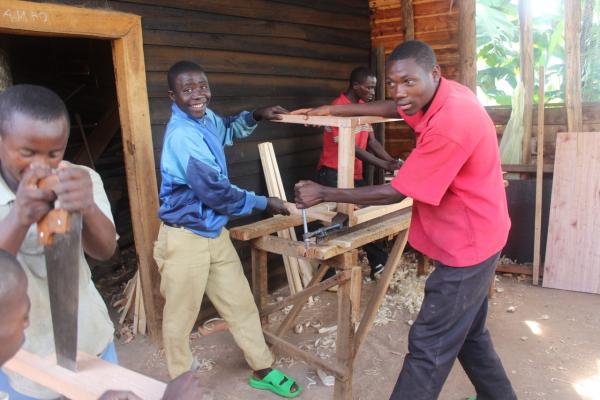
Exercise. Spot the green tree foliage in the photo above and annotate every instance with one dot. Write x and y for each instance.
(498, 57)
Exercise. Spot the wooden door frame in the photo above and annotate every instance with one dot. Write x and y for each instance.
(125, 33)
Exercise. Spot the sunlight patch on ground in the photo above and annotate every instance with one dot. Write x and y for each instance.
(534, 327)
(589, 388)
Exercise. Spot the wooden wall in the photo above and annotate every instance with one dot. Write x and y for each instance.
(555, 118)
(256, 53)
(436, 23)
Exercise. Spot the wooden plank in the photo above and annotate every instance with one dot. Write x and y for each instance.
(526, 43)
(345, 177)
(130, 79)
(280, 222)
(256, 44)
(264, 227)
(300, 266)
(355, 294)
(554, 114)
(466, 44)
(27, 17)
(320, 212)
(573, 65)
(94, 377)
(271, 11)
(290, 263)
(572, 252)
(532, 169)
(380, 95)
(514, 269)
(255, 85)
(371, 212)
(408, 19)
(377, 297)
(160, 58)
(340, 122)
(539, 180)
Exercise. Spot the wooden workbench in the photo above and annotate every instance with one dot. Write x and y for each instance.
(340, 251)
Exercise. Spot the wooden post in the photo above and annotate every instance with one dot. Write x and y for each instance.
(130, 78)
(408, 20)
(345, 339)
(467, 52)
(573, 67)
(380, 95)
(259, 277)
(526, 40)
(539, 180)
(346, 154)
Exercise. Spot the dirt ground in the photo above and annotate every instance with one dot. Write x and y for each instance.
(550, 347)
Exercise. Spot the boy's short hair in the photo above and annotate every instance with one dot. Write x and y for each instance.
(181, 67)
(32, 100)
(11, 274)
(421, 52)
(360, 74)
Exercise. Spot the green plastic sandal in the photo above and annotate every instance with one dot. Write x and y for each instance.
(277, 382)
(471, 398)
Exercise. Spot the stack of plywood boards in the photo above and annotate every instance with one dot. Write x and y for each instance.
(573, 249)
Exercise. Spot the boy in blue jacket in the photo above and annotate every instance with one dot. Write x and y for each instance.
(194, 252)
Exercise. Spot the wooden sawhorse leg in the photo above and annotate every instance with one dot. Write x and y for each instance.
(259, 277)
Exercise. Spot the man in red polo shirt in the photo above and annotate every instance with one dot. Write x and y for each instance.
(460, 219)
(361, 89)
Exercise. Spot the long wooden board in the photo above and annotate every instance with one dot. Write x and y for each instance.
(94, 377)
(572, 253)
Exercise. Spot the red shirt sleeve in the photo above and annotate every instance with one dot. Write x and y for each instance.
(430, 169)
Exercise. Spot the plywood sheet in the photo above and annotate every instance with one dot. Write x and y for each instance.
(573, 250)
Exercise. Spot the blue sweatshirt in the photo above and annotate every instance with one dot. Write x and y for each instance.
(195, 191)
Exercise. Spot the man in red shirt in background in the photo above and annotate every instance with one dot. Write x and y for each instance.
(361, 89)
(460, 219)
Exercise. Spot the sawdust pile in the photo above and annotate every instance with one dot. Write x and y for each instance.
(406, 291)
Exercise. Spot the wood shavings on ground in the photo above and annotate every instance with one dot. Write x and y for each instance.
(125, 333)
(203, 364)
(506, 261)
(285, 362)
(406, 291)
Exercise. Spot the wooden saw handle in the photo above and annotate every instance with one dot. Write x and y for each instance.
(56, 221)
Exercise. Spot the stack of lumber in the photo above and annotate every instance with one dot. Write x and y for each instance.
(299, 272)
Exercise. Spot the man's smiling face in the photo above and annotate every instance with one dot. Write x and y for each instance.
(191, 93)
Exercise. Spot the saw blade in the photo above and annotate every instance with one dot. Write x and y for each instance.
(62, 265)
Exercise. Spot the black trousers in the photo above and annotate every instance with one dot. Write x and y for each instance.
(450, 325)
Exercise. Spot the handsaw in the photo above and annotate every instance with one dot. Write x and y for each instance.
(60, 234)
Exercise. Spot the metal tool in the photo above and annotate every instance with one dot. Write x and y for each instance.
(321, 233)
(305, 223)
(60, 233)
(337, 222)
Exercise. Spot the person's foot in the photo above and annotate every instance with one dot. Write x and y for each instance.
(262, 373)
